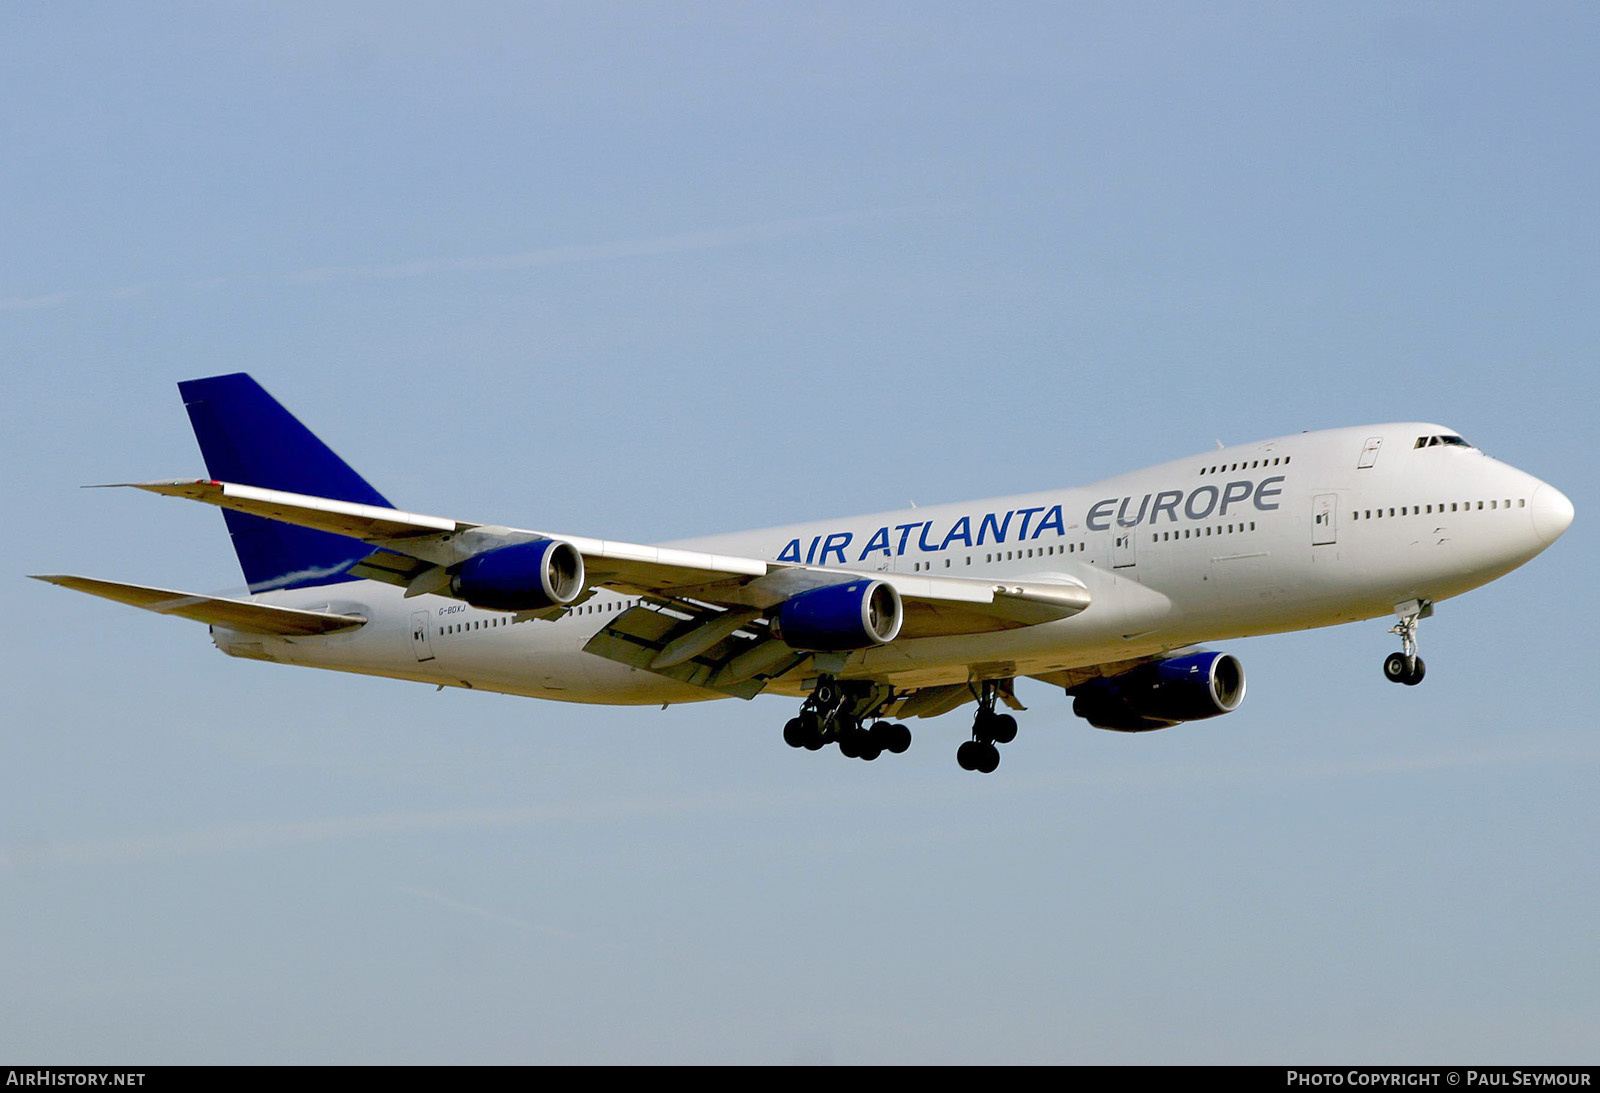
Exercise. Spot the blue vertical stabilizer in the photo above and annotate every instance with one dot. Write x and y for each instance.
(247, 437)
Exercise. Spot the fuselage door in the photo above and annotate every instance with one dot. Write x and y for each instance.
(1325, 519)
(1122, 555)
(1369, 452)
(420, 621)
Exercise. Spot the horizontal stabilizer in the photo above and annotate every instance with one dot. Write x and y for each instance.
(246, 616)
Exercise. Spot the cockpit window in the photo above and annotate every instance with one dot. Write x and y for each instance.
(1434, 441)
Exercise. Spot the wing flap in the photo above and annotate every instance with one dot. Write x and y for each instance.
(243, 615)
(645, 638)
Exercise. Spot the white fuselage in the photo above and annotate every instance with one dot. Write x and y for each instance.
(1286, 534)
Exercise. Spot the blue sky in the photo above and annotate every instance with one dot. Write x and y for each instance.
(648, 271)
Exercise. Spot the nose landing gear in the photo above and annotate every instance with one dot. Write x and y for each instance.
(1406, 666)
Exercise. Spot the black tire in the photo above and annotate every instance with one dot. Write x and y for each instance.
(813, 740)
(988, 759)
(794, 733)
(890, 737)
(1395, 668)
(1003, 727)
(1418, 670)
(967, 755)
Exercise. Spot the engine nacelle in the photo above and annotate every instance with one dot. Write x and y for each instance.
(841, 616)
(521, 577)
(1163, 693)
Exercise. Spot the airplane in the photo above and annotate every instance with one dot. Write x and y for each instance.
(1103, 590)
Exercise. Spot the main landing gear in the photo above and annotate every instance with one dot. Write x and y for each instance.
(988, 729)
(838, 713)
(1405, 666)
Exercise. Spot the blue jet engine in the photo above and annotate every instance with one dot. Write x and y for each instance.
(1163, 693)
(521, 577)
(841, 616)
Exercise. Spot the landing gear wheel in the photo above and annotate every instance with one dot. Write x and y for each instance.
(1002, 728)
(794, 733)
(894, 738)
(988, 758)
(1399, 668)
(851, 743)
(811, 731)
(978, 755)
(991, 760)
(967, 755)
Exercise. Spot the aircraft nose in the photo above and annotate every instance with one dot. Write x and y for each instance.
(1552, 513)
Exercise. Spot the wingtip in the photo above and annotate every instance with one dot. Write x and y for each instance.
(155, 486)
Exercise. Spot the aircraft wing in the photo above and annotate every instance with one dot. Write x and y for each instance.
(437, 541)
(418, 552)
(244, 615)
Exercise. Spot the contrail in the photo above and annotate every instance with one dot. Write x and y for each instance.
(676, 243)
